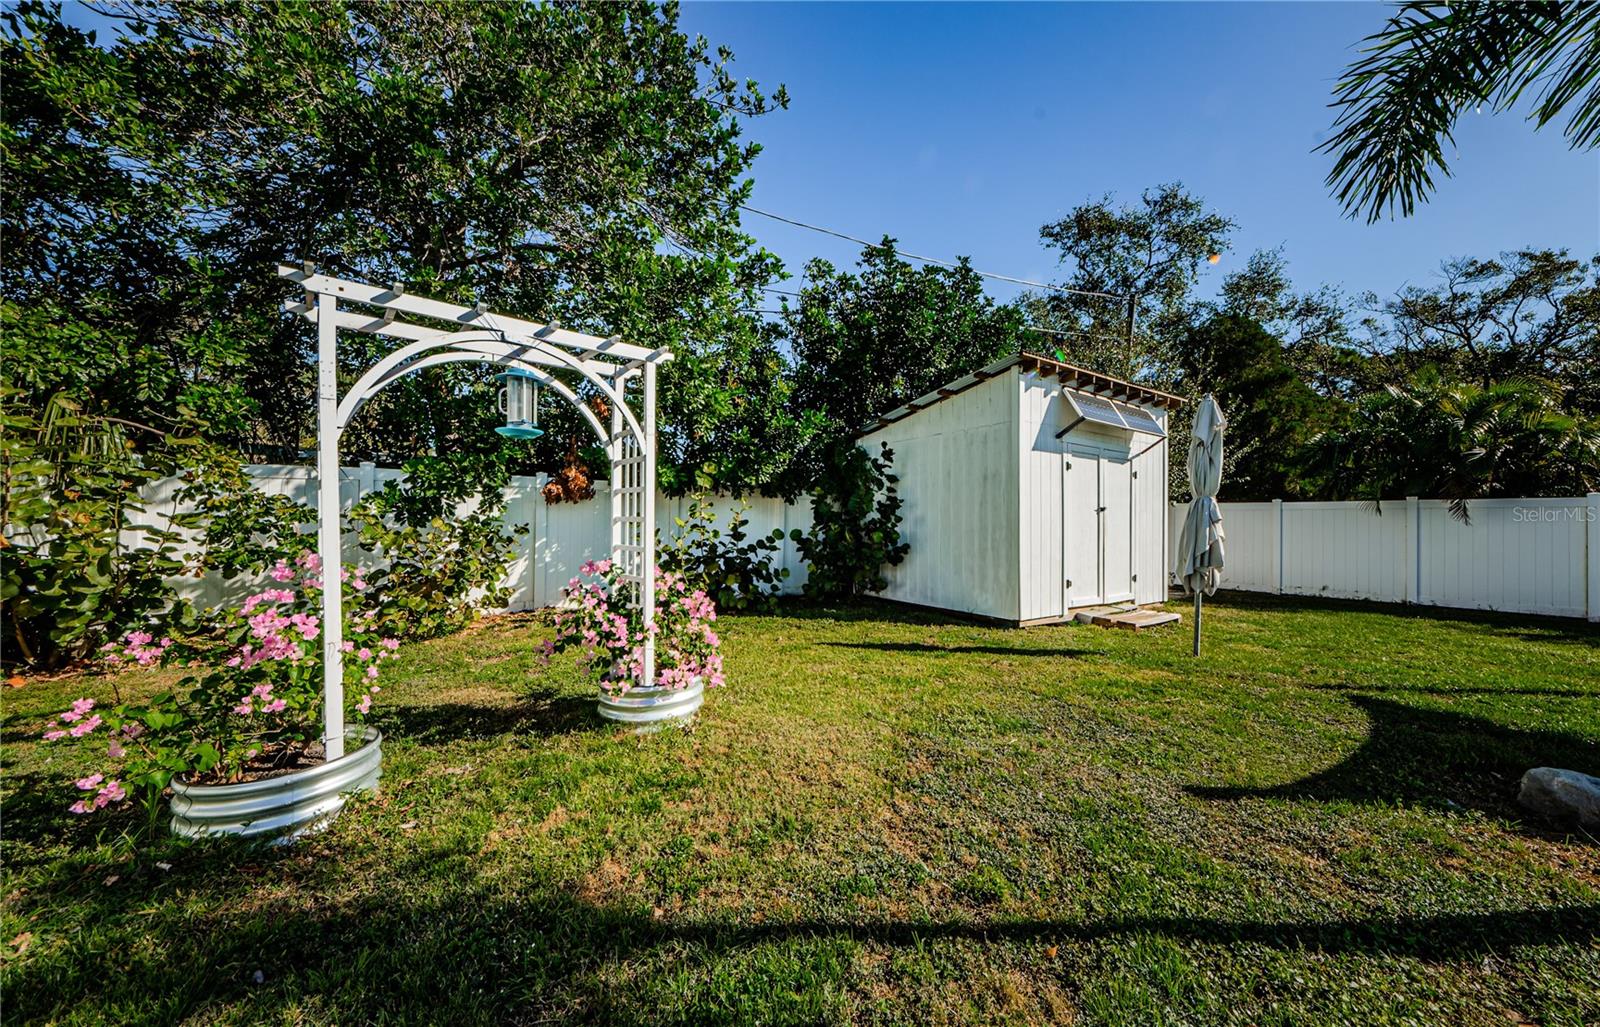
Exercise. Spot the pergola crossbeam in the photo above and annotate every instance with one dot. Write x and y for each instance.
(389, 298)
(417, 333)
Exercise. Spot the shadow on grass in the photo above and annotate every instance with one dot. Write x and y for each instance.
(541, 712)
(1448, 690)
(461, 950)
(1432, 758)
(36, 811)
(1526, 627)
(885, 611)
(958, 650)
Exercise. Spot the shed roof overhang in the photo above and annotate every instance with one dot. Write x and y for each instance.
(1070, 376)
(1084, 380)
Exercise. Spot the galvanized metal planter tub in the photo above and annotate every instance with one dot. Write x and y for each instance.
(651, 708)
(287, 806)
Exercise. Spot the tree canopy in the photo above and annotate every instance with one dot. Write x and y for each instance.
(579, 162)
(1147, 254)
(865, 342)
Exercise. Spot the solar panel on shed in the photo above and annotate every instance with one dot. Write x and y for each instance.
(1113, 414)
(1096, 409)
(1139, 419)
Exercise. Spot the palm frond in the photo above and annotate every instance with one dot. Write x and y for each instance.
(1398, 104)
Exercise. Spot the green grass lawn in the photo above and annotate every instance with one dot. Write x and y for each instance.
(886, 817)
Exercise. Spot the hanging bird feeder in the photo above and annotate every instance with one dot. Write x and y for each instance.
(519, 401)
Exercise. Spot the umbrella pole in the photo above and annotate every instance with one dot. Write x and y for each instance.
(1197, 595)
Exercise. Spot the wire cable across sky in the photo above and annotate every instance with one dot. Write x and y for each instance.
(928, 260)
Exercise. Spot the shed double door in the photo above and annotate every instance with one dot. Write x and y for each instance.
(1097, 521)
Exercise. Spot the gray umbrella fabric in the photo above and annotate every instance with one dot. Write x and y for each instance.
(1200, 555)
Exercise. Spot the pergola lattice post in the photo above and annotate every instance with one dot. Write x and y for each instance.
(477, 336)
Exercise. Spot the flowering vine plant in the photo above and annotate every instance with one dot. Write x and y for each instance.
(253, 700)
(601, 622)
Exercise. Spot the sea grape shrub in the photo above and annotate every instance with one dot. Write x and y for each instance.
(255, 691)
(441, 547)
(739, 571)
(855, 525)
(601, 621)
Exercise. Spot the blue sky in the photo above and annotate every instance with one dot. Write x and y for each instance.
(961, 128)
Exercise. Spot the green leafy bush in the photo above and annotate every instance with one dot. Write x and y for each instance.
(69, 484)
(736, 570)
(855, 524)
(242, 529)
(436, 568)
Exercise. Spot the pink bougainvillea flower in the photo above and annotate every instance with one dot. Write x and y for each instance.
(79, 708)
(84, 784)
(372, 671)
(365, 705)
(51, 736)
(365, 653)
(281, 571)
(81, 807)
(275, 706)
(115, 750)
(84, 727)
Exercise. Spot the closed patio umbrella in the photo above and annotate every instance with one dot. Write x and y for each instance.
(1199, 555)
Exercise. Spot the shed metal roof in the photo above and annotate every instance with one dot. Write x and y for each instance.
(1070, 375)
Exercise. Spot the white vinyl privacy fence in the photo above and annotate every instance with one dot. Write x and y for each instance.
(560, 536)
(1517, 555)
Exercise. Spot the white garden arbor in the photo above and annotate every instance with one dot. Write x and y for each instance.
(450, 334)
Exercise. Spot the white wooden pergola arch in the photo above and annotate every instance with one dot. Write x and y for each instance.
(607, 364)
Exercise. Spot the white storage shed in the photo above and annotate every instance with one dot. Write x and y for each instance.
(1031, 488)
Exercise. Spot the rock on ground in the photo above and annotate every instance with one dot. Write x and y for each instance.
(1562, 793)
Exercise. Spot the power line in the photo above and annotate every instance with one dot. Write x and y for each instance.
(1079, 334)
(1026, 328)
(928, 260)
